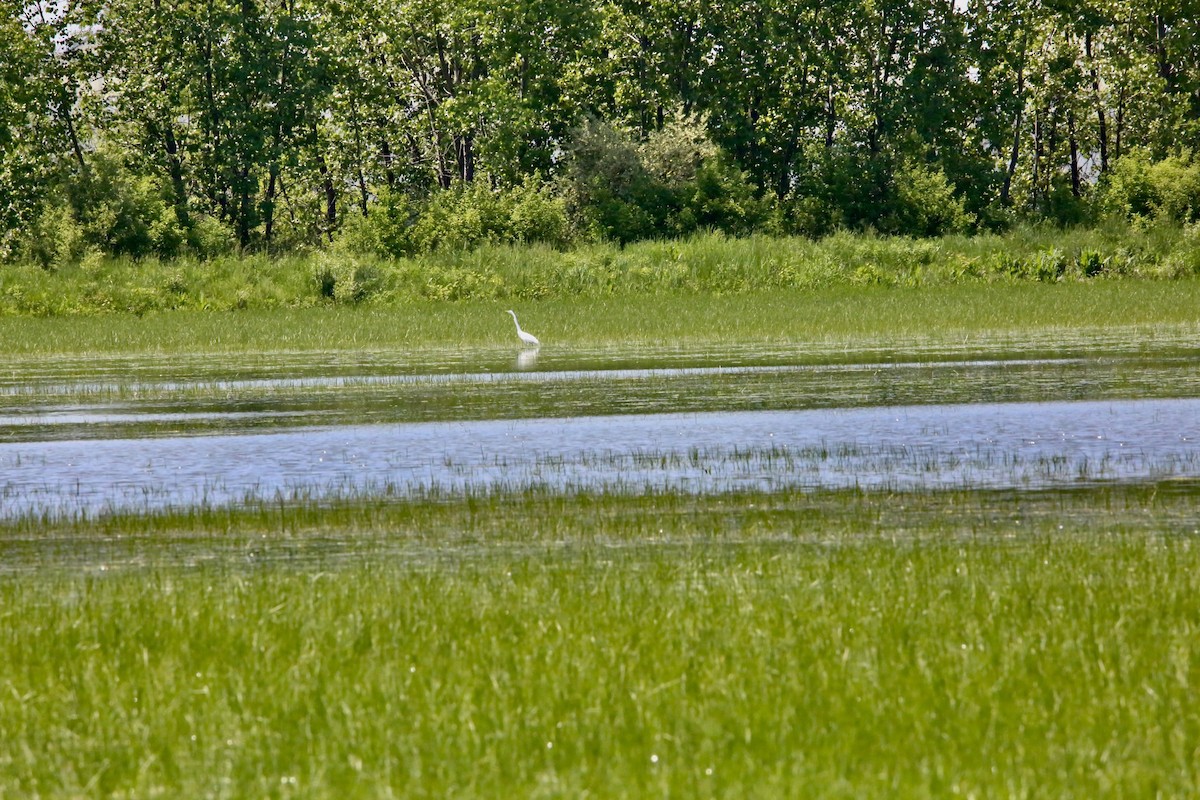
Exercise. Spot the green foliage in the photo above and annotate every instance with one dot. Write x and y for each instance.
(53, 239)
(400, 128)
(112, 210)
(1165, 191)
(345, 279)
(538, 216)
(722, 197)
(83, 280)
(676, 152)
(385, 231)
(468, 215)
(674, 183)
(609, 189)
(461, 218)
(926, 203)
(121, 212)
(276, 119)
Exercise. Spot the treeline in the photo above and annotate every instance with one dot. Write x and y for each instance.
(163, 127)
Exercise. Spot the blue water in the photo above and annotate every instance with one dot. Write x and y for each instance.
(981, 445)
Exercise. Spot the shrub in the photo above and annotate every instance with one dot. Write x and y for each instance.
(722, 197)
(610, 190)
(345, 280)
(462, 217)
(122, 212)
(539, 216)
(111, 208)
(674, 155)
(1140, 189)
(208, 237)
(925, 203)
(384, 231)
(53, 239)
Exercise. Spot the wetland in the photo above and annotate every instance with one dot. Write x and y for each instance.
(145, 443)
(880, 564)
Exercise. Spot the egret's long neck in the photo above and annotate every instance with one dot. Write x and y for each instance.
(514, 316)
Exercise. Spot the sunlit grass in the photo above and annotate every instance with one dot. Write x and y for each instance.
(846, 317)
(710, 264)
(841, 645)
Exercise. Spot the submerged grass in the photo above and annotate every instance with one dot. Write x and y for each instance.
(839, 645)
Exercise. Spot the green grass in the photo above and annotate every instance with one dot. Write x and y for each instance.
(838, 645)
(706, 264)
(845, 317)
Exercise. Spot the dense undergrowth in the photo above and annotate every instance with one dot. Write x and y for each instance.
(709, 263)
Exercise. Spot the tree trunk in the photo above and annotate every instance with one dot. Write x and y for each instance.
(218, 186)
(269, 204)
(385, 155)
(1166, 70)
(1038, 153)
(330, 196)
(1015, 153)
(1120, 124)
(830, 116)
(242, 223)
(464, 147)
(1101, 116)
(1073, 143)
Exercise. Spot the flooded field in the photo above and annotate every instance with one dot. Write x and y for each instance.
(622, 571)
(92, 435)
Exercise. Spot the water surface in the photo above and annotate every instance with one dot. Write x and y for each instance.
(106, 434)
(899, 447)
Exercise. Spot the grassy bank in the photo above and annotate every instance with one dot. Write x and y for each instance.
(708, 264)
(842, 646)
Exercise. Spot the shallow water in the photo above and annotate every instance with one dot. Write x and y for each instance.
(93, 434)
(55, 406)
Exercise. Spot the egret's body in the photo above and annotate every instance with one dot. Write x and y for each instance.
(524, 336)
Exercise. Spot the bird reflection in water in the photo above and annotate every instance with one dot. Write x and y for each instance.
(527, 359)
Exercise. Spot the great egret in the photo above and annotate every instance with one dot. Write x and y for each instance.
(524, 336)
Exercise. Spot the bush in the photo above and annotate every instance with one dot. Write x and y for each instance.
(460, 218)
(674, 155)
(345, 280)
(208, 237)
(1142, 190)
(925, 203)
(112, 209)
(468, 215)
(611, 192)
(539, 216)
(53, 240)
(121, 212)
(385, 230)
(723, 198)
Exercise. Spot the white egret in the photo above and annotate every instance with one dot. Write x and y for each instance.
(524, 336)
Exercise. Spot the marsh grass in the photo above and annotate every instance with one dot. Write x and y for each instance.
(851, 319)
(839, 645)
